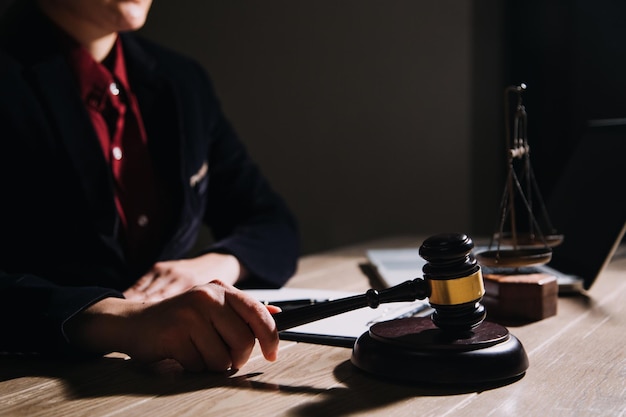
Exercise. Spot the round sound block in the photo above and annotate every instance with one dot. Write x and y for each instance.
(415, 350)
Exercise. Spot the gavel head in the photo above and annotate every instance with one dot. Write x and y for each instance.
(455, 281)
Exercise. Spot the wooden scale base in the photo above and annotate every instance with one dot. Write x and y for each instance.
(415, 350)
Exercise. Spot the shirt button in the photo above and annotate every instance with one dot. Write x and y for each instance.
(117, 153)
(143, 220)
(113, 89)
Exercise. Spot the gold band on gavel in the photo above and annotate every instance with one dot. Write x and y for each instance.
(458, 290)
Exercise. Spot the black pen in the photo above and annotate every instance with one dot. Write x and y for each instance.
(289, 304)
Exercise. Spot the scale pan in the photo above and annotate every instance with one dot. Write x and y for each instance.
(528, 240)
(513, 258)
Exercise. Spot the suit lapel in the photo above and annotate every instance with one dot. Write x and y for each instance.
(161, 113)
(45, 67)
(159, 106)
(59, 91)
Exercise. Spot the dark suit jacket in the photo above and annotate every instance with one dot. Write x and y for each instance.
(59, 250)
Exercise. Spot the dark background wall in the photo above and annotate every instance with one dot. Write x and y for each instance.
(377, 118)
(371, 118)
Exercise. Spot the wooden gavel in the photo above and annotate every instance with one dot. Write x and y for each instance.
(452, 282)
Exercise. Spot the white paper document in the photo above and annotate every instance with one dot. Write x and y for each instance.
(342, 329)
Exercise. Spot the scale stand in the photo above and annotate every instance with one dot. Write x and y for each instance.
(534, 247)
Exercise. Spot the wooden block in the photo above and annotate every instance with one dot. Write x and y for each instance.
(527, 297)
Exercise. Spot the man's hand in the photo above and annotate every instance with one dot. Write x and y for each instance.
(210, 327)
(166, 279)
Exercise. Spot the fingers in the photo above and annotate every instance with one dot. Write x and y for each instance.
(136, 292)
(238, 320)
(273, 309)
(233, 334)
(160, 282)
(168, 278)
(190, 358)
(163, 286)
(258, 318)
(214, 326)
(206, 351)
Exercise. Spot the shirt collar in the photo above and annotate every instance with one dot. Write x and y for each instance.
(95, 78)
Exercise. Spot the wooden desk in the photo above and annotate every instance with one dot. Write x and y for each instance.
(577, 368)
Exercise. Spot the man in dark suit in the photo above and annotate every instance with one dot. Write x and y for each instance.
(113, 153)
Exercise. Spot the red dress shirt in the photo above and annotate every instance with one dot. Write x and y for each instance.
(116, 118)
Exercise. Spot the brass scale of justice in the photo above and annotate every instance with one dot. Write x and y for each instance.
(455, 345)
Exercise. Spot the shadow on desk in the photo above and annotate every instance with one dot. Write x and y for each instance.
(366, 392)
(117, 377)
(111, 376)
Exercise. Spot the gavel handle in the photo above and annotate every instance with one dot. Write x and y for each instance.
(406, 291)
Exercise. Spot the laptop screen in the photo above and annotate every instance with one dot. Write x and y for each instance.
(588, 203)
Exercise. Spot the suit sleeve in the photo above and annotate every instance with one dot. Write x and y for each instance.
(248, 218)
(33, 312)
